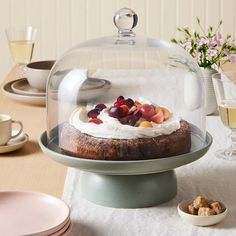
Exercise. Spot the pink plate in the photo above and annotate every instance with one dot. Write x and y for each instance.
(68, 231)
(31, 213)
(62, 230)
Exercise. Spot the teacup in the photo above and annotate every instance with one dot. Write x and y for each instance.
(37, 74)
(6, 129)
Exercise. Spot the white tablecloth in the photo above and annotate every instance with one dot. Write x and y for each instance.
(209, 176)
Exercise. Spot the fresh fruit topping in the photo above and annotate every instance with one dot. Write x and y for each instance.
(100, 106)
(166, 112)
(120, 98)
(130, 112)
(158, 117)
(147, 110)
(125, 110)
(94, 113)
(145, 124)
(129, 120)
(132, 109)
(95, 121)
(115, 111)
(137, 113)
(120, 102)
(129, 102)
(137, 104)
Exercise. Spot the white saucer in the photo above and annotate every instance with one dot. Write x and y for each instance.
(22, 86)
(15, 143)
(92, 89)
(32, 213)
(32, 100)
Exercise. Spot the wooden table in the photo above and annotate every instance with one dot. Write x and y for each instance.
(28, 168)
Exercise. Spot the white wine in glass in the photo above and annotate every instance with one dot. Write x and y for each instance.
(225, 89)
(227, 110)
(21, 50)
(21, 44)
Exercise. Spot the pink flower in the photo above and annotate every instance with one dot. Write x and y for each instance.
(218, 38)
(211, 53)
(197, 55)
(187, 46)
(202, 41)
(226, 51)
(208, 47)
(232, 58)
(212, 43)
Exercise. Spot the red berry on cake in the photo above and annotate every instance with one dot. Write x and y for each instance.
(120, 102)
(120, 98)
(115, 111)
(129, 102)
(93, 113)
(95, 121)
(100, 106)
(129, 120)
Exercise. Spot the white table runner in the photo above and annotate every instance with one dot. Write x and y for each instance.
(209, 176)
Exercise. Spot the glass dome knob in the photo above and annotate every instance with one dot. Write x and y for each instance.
(125, 20)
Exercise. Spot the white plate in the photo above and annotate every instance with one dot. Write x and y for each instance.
(31, 213)
(91, 89)
(32, 100)
(22, 86)
(15, 143)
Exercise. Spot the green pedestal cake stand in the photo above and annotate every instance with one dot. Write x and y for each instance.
(127, 184)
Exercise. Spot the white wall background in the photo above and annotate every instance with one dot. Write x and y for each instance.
(63, 23)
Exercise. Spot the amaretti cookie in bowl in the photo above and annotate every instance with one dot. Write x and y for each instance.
(126, 130)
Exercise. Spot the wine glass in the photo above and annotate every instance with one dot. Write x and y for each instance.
(21, 44)
(225, 90)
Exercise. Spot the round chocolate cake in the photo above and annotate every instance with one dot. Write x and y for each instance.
(125, 131)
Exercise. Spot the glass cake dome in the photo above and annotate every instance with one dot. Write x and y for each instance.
(125, 97)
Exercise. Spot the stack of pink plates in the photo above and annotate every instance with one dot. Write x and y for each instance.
(31, 213)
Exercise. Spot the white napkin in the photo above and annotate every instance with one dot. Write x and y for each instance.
(209, 176)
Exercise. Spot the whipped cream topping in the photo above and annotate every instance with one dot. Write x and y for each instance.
(112, 128)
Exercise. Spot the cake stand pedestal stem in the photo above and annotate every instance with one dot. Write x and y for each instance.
(128, 191)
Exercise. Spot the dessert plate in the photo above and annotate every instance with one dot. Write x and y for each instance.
(31, 213)
(22, 86)
(68, 231)
(28, 99)
(63, 230)
(15, 143)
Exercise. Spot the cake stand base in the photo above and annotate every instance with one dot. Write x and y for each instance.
(128, 191)
(127, 184)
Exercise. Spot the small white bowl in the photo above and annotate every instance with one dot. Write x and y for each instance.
(199, 220)
(37, 74)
